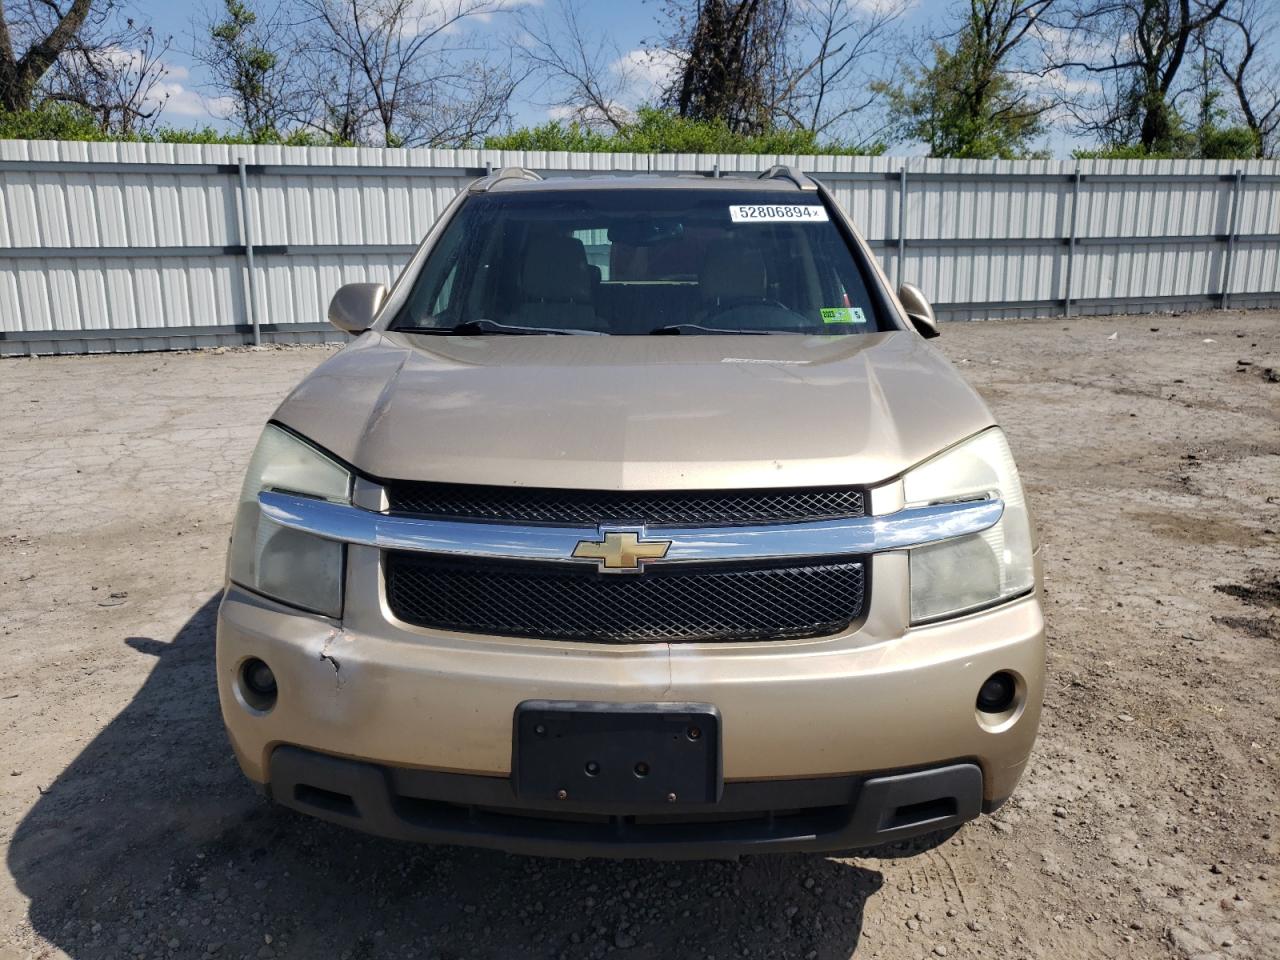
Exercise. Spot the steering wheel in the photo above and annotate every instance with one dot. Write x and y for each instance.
(740, 303)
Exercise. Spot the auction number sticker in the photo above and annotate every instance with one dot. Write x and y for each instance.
(778, 213)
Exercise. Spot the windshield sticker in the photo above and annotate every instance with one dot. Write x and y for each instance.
(843, 315)
(778, 213)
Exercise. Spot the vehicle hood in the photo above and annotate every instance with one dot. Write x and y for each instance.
(636, 413)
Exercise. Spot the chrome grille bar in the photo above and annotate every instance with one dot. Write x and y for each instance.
(910, 527)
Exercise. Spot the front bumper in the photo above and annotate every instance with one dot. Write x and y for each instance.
(877, 699)
(771, 816)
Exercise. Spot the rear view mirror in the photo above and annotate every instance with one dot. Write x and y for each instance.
(645, 232)
(919, 311)
(355, 305)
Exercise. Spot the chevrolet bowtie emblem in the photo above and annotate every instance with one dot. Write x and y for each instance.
(621, 551)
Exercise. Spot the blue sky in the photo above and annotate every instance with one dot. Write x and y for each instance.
(627, 23)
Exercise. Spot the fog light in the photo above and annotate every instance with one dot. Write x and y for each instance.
(997, 693)
(258, 684)
(259, 678)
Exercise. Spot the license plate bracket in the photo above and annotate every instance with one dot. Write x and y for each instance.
(618, 757)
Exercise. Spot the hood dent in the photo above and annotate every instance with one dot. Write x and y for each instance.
(879, 411)
(383, 402)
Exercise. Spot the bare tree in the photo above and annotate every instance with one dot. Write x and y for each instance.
(585, 73)
(756, 65)
(1138, 49)
(760, 65)
(33, 35)
(86, 53)
(1240, 52)
(732, 58)
(837, 52)
(116, 73)
(402, 72)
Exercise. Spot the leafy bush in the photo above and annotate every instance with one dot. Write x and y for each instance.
(1228, 143)
(552, 136)
(660, 131)
(1211, 139)
(1217, 143)
(63, 121)
(55, 121)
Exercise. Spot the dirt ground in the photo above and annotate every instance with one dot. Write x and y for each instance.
(1147, 824)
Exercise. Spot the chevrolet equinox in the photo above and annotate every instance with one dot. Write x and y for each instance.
(638, 520)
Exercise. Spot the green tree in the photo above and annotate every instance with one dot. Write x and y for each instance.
(245, 66)
(966, 103)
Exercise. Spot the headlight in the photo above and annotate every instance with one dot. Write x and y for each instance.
(974, 571)
(293, 567)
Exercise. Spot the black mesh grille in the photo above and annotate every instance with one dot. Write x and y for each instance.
(574, 602)
(680, 507)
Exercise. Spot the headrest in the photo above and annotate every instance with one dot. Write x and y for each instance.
(555, 269)
(732, 271)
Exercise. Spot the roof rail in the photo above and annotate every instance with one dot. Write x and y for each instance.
(506, 173)
(783, 172)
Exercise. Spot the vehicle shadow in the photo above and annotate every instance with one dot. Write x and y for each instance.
(150, 843)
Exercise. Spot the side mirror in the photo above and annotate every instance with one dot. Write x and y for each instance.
(355, 305)
(919, 312)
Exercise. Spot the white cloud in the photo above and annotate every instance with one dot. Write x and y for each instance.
(1058, 81)
(645, 72)
(874, 8)
(1081, 44)
(181, 101)
(427, 15)
(172, 92)
(564, 113)
(638, 76)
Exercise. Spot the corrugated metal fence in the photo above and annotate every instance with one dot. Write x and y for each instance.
(160, 246)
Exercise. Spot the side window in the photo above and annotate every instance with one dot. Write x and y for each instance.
(596, 243)
(433, 291)
(445, 293)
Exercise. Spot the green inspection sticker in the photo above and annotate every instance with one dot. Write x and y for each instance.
(843, 315)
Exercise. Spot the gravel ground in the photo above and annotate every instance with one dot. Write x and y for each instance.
(1146, 825)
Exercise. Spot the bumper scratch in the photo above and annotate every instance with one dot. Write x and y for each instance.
(327, 657)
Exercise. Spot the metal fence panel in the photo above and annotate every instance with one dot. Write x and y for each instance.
(143, 246)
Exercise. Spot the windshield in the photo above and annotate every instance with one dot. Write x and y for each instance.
(642, 261)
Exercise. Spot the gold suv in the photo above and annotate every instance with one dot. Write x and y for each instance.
(639, 519)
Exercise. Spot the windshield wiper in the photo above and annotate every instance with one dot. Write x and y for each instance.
(676, 328)
(475, 328)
